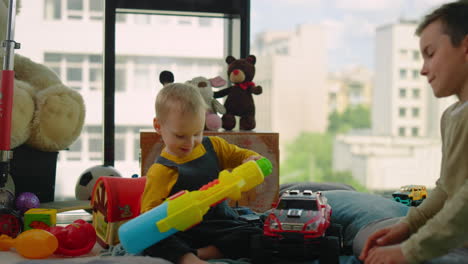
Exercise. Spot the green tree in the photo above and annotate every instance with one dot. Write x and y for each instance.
(309, 158)
(353, 117)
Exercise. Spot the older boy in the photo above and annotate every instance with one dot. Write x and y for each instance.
(438, 225)
(188, 162)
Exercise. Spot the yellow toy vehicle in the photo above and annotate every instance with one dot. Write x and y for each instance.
(410, 195)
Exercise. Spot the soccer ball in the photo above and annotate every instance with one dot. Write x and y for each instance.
(86, 181)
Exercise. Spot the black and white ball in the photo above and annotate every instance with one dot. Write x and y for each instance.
(86, 181)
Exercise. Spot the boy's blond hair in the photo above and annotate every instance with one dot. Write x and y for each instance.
(183, 97)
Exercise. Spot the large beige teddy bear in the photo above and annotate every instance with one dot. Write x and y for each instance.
(46, 115)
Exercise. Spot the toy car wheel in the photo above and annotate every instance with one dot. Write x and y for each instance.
(336, 230)
(330, 250)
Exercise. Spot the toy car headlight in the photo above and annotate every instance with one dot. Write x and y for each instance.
(312, 226)
(274, 225)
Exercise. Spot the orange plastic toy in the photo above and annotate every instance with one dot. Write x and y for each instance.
(32, 244)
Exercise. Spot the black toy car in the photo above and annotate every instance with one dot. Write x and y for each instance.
(299, 227)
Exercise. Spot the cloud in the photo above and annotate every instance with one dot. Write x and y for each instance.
(338, 30)
(368, 5)
(299, 2)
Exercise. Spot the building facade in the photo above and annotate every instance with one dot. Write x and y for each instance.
(68, 35)
(403, 146)
(292, 68)
(348, 88)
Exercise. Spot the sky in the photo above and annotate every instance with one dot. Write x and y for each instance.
(350, 24)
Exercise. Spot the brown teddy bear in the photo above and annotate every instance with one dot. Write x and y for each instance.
(239, 100)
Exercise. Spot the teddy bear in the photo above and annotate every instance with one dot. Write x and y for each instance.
(239, 100)
(46, 114)
(205, 86)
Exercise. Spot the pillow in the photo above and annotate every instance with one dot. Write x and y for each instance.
(354, 210)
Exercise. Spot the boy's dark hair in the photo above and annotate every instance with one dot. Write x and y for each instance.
(454, 18)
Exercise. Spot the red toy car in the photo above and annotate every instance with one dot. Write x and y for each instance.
(299, 227)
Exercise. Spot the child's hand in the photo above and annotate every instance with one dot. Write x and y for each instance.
(386, 255)
(394, 234)
(252, 158)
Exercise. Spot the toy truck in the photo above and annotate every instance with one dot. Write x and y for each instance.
(411, 195)
(299, 227)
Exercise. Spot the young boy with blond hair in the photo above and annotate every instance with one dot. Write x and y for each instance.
(439, 225)
(189, 161)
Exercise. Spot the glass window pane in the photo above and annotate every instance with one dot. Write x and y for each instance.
(95, 145)
(204, 21)
(95, 59)
(96, 5)
(75, 4)
(95, 75)
(120, 80)
(120, 149)
(53, 9)
(74, 74)
(52, 57)
(74, 58)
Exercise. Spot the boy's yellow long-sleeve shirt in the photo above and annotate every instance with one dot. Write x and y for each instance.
(439, 224)
(160, 179)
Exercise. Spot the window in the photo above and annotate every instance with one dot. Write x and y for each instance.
(403, 52)
(142, 19)
(401, 131)
(96, 9)
(415, 111)
(402, 92)
(75, 150)
(136, 144)
(184, 21)
(415, 74)
(120, 133)
(95, 142)
(120, 18)
(75, 9)
(53, 9)
(120, 79)
(416, 55)
(402, 112)
(53, 61)
(74, 74)
(416, 93)
(204, 22)
(403, 73)
(415, 131)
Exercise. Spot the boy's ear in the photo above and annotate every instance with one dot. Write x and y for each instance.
(156, 125)
(465, 46)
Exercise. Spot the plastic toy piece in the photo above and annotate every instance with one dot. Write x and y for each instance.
(299, 227)
(32, 244)
(186, 209)
(411, 195)
(75, 239)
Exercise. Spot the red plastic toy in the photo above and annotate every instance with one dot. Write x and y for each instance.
(75, 239)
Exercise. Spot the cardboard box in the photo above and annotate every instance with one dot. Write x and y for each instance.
(266, 144)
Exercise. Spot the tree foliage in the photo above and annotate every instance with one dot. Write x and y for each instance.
(309, 156)
(357, 117)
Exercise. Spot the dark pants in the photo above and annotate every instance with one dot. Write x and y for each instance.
(231, 237)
